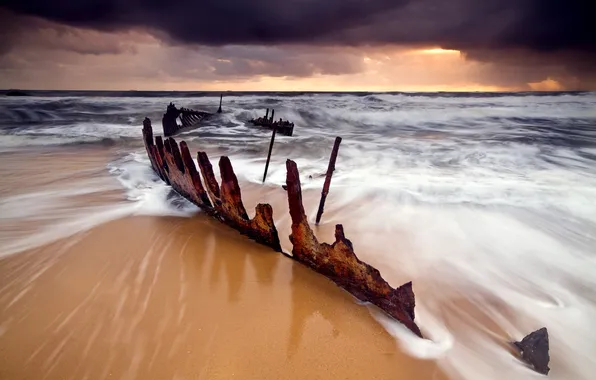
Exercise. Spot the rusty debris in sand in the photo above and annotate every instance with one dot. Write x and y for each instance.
(338, 262)
(534, 350)
(173, 163)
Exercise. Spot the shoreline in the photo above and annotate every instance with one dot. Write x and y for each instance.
(184, 303)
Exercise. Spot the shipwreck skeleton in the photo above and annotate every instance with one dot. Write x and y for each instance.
(188, 118)
(173, 163)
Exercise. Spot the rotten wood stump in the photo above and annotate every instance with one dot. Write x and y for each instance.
(339, 263)
(173, 163)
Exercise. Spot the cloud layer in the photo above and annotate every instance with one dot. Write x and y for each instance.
(542, 25)
(509, 43)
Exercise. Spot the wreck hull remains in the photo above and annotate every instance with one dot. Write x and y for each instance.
(189, 118)
(338, 262)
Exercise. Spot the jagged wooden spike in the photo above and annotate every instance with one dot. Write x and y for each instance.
(191, 171)
(176, 153)
(174, 165)
(339, 263)
(209, 177)
(148, 141)
(231, 196)
(159, 157)
(159, 143)
(227, 201)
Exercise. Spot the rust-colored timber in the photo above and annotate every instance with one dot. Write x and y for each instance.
(160, 153)
(228, 203)
(209, 177)
(148, 140)
(339, 263)
(173, 163)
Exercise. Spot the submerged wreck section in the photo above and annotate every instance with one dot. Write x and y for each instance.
(285, 127)
(188, 118)
(339, 263)
(173, 163)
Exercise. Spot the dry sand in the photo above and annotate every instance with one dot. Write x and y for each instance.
(183, 298)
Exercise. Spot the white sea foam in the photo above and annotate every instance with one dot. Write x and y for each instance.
(46, 215)
(150, 194)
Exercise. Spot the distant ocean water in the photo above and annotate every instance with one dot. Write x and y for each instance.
(490, 197)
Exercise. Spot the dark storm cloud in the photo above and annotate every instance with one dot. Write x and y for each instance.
(515, 41)
(541, 25)
(19, 31)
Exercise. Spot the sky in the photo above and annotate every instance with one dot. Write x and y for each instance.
(298, 45)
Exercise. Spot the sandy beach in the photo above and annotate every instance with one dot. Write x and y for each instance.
(179, 298)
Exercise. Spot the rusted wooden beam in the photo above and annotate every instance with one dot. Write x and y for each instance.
(339, 263)
(330, 170)
(197, 188)
(230, 208)
(269, 154)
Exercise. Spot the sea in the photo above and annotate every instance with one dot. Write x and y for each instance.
(487, 200)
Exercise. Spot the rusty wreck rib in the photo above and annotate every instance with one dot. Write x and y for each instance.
(228, 203)
(339, 263)
(173, 163)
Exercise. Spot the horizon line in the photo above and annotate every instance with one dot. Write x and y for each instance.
(301, 91)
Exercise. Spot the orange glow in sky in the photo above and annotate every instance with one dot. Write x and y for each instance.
(438, 51)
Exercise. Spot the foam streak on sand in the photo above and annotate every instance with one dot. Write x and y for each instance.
(483, 201)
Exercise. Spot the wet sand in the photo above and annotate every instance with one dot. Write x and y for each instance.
(148, 297)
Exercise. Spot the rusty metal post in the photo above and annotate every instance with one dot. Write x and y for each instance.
(330, 170)
(220, 100)
(272, 113)
(269, 154)
(267, 114)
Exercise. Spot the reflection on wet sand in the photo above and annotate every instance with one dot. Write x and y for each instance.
(173, 298)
